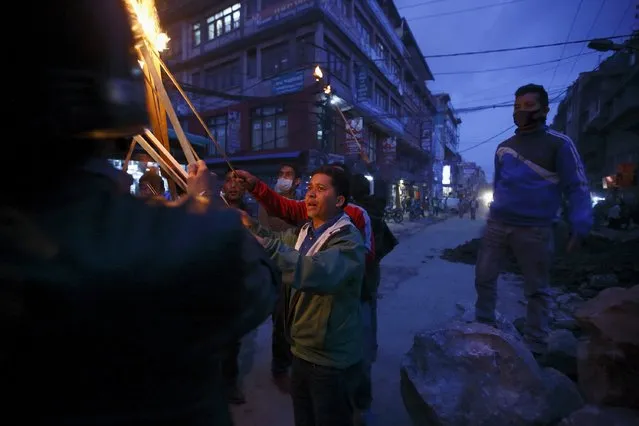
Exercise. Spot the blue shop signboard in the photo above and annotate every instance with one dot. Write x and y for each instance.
(287, 83)
(362, 84)
(281, 11)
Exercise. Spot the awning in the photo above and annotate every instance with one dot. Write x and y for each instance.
(193, 138)
(212, 161)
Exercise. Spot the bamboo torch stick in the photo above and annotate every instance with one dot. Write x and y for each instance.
(363, 153)
(193, 109)
(165, 101)
(173, 174)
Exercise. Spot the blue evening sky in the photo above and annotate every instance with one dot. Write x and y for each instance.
(504, 24)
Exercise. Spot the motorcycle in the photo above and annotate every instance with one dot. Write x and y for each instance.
(396, 215)
(415, 212)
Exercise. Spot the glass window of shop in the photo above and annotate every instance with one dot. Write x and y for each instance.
(371, 146)
(219, 129)
(196, 34)
(337, 62)
(136, 169)
(275, 59)
(224, 21)
(269, 128)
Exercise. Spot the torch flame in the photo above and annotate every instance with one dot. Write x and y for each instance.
(146, 23)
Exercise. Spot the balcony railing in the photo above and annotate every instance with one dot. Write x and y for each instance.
(380, 16)
(332, 8)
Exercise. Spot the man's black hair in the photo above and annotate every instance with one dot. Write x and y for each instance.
(343, 166)
(296, 169)
(534, 88)
(153, 179)
(339, 179)
(360, 187)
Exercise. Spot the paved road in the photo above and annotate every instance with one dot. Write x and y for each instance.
(419, 290)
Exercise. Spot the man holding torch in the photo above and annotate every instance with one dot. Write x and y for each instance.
(112, 311)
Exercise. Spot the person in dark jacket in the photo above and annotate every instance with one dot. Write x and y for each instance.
(385, 242)
(534, 170)
(233, 193)
(288, 180)
(112, 310)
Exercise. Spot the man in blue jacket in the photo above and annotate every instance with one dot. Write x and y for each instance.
(535, 170)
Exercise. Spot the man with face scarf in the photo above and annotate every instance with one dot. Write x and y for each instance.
(288, 180)
(535, 170)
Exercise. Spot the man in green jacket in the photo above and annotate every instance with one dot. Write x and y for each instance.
(322, 267)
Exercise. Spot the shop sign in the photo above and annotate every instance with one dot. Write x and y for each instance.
(281, 11)
(234, 132)
(389, 149)
(287, 83)
(427, 134)
(362, 84)
(354, 138)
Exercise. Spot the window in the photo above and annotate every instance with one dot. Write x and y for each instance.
(224, 21)
(346, 7)
(195, 79)
(394, 108)
(275, 59)
(269, 128)
(363, 29)
(224, 76)
(395, 69)
(381, 51)
(371, 146)
(337, 62)
(305, 50)
(196, 34)
(175, 43)
(219, 130)
(251, 63)
(381, 98)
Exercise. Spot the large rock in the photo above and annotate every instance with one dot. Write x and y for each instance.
(591, 415)
(607, 360)
(471, 374)
(562, 352)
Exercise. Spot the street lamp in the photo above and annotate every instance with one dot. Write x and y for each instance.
(607, 45)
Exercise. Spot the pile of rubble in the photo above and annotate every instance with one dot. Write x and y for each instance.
(614, 263)
(470, 374)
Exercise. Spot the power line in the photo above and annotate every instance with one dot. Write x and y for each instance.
(423, 3)
(513, 49)
(563, 49)
(485, 141)
(470, 9)
(513, 67)
(592, 26)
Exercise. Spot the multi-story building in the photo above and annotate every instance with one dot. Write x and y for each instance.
(600, 113)
(471, 179)
(248, 66)
(445, 146)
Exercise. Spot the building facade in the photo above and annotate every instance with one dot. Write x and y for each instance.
(248, 68)
(445, 147)
(600, 114)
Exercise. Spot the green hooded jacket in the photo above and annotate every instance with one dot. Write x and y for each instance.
(322, 291)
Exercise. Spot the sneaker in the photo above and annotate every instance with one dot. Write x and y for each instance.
(235, 396)
(282, 382)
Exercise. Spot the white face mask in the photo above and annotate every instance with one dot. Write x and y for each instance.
(283, 185)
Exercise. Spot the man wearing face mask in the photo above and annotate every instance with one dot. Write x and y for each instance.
(535, 170)
(288, 179)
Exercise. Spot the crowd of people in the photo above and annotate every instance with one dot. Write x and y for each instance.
(124, 310)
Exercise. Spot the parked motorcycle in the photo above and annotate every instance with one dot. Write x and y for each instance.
(394, 214)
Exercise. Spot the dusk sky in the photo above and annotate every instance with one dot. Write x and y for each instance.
(505, 24)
